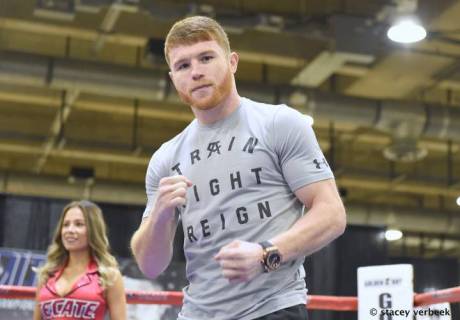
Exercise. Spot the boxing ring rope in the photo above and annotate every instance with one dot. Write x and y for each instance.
(315, 302)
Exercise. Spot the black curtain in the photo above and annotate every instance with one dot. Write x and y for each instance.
(28, 222)
(333, 270)
(122, 221)
(2, 215)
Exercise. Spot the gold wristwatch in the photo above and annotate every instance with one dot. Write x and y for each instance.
(271, 259)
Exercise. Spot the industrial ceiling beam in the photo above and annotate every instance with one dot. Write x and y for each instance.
(345, 179)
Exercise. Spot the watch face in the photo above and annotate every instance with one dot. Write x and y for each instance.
(273, 260)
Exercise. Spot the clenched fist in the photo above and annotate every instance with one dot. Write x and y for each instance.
(240, 261)
(172, 192)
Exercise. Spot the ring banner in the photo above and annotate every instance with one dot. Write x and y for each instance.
(17, 269)
(386, 292)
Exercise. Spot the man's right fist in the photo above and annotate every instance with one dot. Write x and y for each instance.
(172, 193)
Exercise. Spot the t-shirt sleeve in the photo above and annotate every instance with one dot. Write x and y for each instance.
(301, 160)
(155, 171)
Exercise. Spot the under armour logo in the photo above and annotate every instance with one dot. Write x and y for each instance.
(318, 163)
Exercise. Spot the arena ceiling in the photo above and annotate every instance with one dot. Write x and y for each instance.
(85, 98)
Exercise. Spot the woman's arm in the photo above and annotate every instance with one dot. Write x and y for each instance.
(37, 311)
(116, 299)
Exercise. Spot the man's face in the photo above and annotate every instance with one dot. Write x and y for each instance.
(202, 73)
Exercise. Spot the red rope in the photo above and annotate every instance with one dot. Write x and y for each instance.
(314, 301)
(332, 303)
(155, 297)
(444, 295)
(17, 292)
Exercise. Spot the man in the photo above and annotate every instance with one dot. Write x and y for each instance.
(239, 177)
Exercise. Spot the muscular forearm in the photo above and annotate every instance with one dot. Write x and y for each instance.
(152, 245)
(316, 229)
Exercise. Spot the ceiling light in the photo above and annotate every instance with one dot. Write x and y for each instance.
(458, 201)
(393, 234)
(406, 31)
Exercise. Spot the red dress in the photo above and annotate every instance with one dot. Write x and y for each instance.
(84, 301)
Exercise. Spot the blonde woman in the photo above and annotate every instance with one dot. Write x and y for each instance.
(80, 279)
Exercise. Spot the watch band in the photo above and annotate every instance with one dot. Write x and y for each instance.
(266, 244)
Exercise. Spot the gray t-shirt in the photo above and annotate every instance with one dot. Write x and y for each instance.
(244, 169)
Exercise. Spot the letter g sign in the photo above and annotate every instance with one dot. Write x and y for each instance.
(385, 303)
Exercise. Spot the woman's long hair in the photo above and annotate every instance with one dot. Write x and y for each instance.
(98, 244)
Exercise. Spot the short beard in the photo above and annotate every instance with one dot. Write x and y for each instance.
(221, 92)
